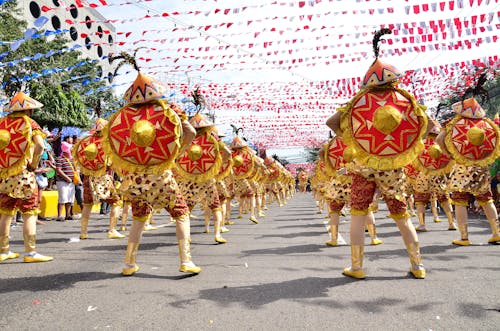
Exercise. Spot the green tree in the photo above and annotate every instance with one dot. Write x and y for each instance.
(65, 98)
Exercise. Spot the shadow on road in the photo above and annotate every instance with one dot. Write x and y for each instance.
(54, 282)
(284, 250)
(255, 296)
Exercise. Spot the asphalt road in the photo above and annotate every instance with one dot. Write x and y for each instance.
(276, 275)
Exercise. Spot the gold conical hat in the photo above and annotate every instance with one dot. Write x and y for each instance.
(469, 108)
(238, 143)
(144, 89)
(22, 101)
(199, 121)
(380, 73)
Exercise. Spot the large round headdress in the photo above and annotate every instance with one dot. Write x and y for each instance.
(143, 136)
(383, 125)
(202, 159)
(471, 138)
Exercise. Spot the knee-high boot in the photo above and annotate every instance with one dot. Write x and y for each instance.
(113, 219)
(334, 229)
(492, 217)
(134, 239)
(84, 221)
(421, 217)
(29, 235)
(417, 268)
(356, 269)
(357, 247)
(183, 233)
(434, 209)
(5, 253)
(461, 214)
(370, 226)
(218, 226)
(449, 215)
(410, 239)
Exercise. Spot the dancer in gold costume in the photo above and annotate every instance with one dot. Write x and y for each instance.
(474, 142)
(142, 140)
(382, 126)
(21, 148)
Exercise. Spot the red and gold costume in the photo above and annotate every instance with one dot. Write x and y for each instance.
(474, 142)
(142, 140)
(197, 168)
(382, 126)
(274, 183)
(243, 167)
(431, 182)
(303, 178)
(21, 148)
(338, 189)
(98, 183)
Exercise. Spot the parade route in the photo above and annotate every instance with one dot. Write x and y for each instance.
(276, 275)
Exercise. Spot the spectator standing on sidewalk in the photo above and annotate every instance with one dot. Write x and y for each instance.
(66, 176)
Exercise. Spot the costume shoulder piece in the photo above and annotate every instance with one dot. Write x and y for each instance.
(432, 160)
(15, 144)
(334, 158)
(89, 156)
(471, 139)
(383, 125)
(202, 160)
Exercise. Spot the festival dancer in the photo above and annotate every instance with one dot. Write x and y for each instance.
(382, 126)
(474, 142)
(303, 178)
(21, 148)
(243, 165)
(197, 168)
(431, 181)
(98, 183)
(338, 189)
(142, 141)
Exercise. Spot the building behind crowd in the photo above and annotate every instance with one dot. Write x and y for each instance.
(86, 27)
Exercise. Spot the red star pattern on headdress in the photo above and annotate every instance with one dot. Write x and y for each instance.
(207, 160)
(246, 168)
(428, 162)
(464, 147)
(374, 142)
(96, 164)
(161, 150)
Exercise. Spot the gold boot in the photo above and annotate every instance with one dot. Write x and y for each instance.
(435, 213)
(495, 238)
(421, 221)
(356, 269)
(130, 259)
(334, 232)
(451, 222)
(187, 264)
(5, 253)
(373, 235)
(84, 223)
(464, 235)
(417, 268)
(30, 251)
